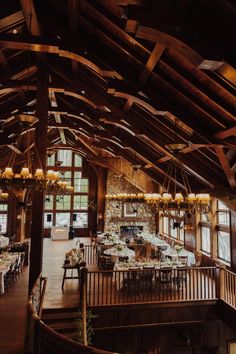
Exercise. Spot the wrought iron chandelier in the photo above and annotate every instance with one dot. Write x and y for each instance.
(177, 200)
(12, 181)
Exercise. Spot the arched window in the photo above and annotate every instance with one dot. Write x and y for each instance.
(68, 209)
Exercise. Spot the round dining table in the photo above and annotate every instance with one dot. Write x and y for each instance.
(120, 251)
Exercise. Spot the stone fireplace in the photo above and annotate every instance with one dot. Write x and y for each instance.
(120, 214)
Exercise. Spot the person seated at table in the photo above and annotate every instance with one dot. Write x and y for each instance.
(72, 233)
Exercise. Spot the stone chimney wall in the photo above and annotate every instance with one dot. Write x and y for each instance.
(118, 213)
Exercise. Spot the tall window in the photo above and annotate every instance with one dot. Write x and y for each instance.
(169, 230)
(205, 239)
(3, 218)
(72, 209)
(223, 232)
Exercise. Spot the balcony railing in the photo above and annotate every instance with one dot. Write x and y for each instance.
(113, 287)
(228, 287)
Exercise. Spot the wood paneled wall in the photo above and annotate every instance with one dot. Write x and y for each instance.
(169, 329)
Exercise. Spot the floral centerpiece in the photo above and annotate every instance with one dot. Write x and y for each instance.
(119, 248)
(178, 248)
(112, 238)
(74, 256)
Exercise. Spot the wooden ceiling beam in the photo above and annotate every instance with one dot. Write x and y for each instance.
(226, 167)
(153, 35)
(73, 8)
(57, 117)
(225, 133)
(53, 49)
(152, 61)
(30, 17)
(11, 21)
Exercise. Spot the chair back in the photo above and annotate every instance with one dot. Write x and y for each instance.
(183, 260)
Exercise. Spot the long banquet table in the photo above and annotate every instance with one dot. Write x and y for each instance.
(139, 266)
(6, 260)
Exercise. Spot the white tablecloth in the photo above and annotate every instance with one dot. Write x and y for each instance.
(115, 253)
(118, 277)
(60, 233)
(4, 241)
(5, 262)
(173, 253)
(107, 242)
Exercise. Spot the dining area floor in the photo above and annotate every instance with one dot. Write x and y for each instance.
(13, 316)
(14, 302)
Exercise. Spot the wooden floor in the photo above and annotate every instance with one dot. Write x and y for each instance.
(12, 316)
(54, 255)
(13, 303)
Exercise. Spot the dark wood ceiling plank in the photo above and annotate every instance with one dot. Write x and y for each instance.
(197, 95)
(213, 87)
(3, 61)
(113, 29)
(73, 8)
(112, 7)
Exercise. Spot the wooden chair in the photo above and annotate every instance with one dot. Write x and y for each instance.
(93, 238)
(105, 263)
(131, 280)
(181, 277)
(164, 279)
(123, 259)
(183, 260)
(146, 278)
(8, 278)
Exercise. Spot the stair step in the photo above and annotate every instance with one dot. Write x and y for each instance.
(54, 315)
(63, 327)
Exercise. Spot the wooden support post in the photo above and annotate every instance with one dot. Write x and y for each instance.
(222, 283)
(220, 271)
(83, 300)
(36, 250)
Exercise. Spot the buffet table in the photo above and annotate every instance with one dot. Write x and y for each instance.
(4, 241)
(59, 233)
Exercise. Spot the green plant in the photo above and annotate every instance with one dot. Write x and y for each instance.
(78, 334)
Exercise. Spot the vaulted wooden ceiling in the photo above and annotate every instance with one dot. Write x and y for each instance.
(126, 78)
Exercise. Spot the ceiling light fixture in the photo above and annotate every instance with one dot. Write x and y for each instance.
(177, 200)
(12, 181)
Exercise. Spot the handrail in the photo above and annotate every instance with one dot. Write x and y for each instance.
(126, 286)
(228, 287)
(71, 343)
(40, 298)
(38, 334)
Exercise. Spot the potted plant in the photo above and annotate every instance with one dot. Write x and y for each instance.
(78, 334)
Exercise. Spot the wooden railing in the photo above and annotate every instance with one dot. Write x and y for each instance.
(90, 254)
(228, 287)
(51, 342)
(41, 339)
(151, 285)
